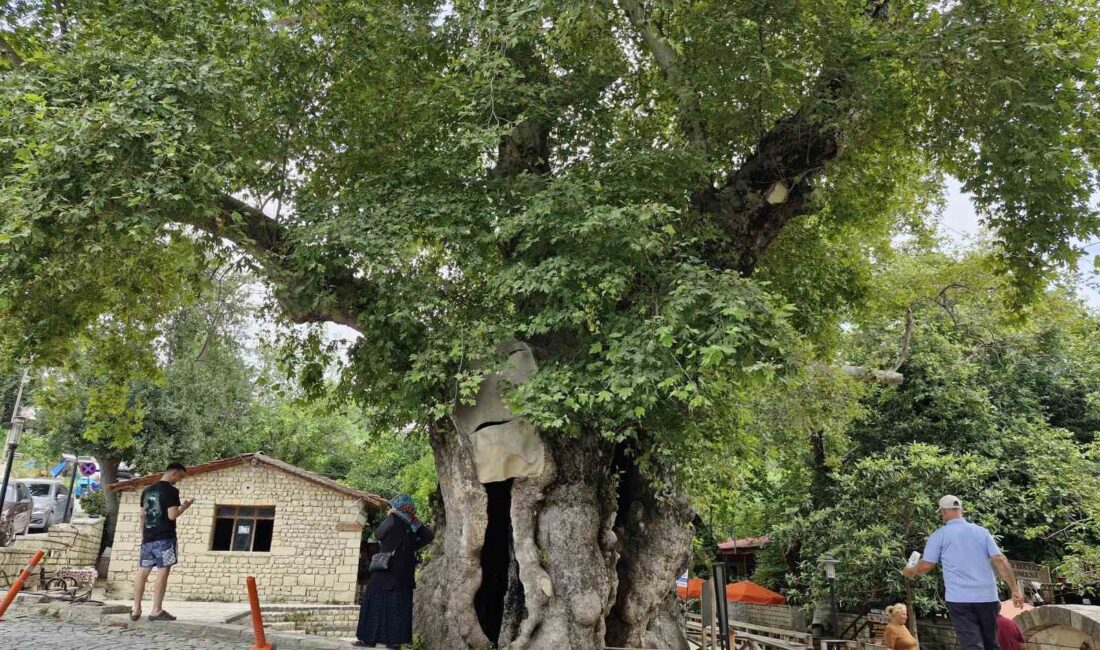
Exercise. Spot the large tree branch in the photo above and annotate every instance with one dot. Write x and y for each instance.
(259, 235)
(669, 61)
(755, 202)
(773, 185)
(752, 204)
(8, 52)
(525, 149)
(336, 295)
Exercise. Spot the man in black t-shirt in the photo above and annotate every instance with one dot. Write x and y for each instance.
(160, 508)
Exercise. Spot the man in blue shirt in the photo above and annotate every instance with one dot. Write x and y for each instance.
(968, 554)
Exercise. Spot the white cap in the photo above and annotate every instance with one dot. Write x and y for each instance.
(950, 502)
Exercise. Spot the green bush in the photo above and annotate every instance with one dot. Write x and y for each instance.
(92, 503)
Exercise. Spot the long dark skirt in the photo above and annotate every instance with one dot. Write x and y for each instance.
(386, 617)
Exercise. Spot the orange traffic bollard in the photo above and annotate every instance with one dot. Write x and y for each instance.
(257, 618)
(18, 584)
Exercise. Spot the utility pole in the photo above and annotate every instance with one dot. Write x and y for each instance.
(72, 497)
(14, 433)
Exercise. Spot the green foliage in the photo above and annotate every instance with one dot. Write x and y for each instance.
(93, 503)
(996, 407)
(884, 507)
(396, 463)
(370, 130)
(369, 133)
(196, 397)
(132, 396)
(34, 447)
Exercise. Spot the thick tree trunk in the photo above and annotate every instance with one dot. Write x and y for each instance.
(563, 547)
(108, 468)
(567, 560)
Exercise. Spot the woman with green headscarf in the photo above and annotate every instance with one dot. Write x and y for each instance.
(385, 614)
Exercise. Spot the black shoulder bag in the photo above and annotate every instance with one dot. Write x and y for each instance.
(380, 561)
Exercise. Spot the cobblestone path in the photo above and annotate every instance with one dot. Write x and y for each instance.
(24, 631)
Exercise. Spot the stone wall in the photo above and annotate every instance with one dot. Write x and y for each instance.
(783, 617)
(1061, 627)
(331, 621)
(936, 634)
(933, 633)
(314, 553)
(67, 545)
(12, 561)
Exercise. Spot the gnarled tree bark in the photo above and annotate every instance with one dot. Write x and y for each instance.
(582, 561)
(564, 546)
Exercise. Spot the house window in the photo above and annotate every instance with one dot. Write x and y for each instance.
(243, 528)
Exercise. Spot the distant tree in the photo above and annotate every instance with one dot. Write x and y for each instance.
(980, 414)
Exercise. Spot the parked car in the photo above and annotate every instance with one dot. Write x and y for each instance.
(15, 518)
(51, 497)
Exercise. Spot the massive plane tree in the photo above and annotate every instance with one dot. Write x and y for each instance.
(571, 233)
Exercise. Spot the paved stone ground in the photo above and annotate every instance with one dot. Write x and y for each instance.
(26, 631)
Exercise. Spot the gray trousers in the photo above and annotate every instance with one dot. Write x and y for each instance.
(975, 625)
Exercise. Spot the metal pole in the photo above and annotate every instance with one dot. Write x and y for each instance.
(19, 582)
(7, 475)
(832, 599)
(257, 616)
(721, 605)
(11, 447)
(69, 501)
(19, 394)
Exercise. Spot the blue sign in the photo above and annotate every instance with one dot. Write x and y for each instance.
(59, 468)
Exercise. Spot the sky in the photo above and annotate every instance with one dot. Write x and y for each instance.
(960, 225)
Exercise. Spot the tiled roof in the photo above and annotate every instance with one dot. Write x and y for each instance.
(745, 544)
(374, 500)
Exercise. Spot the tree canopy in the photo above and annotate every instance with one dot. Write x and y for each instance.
(595, 177)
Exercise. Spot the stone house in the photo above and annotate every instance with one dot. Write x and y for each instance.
(300, 534)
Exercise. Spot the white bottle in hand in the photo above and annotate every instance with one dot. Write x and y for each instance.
(913, 559)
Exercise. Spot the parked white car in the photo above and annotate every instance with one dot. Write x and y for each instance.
(51, 497)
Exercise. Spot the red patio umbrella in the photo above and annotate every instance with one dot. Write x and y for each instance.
(744, 591)
(694, 589)
(747, 591)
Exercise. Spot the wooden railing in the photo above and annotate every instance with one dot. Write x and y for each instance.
(746, 636)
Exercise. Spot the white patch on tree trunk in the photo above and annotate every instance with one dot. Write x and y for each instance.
(777, 193)
(505, 446)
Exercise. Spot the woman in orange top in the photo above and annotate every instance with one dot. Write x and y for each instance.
(897, 635)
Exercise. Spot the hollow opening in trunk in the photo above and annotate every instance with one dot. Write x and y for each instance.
(497, 560)
(623, 466)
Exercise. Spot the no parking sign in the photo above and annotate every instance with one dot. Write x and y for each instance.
(88, 469)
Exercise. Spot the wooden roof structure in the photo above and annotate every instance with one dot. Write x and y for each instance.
(749, 544)
(374, 501)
